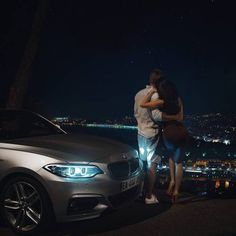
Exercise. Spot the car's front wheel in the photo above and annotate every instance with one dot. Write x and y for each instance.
(24, 205)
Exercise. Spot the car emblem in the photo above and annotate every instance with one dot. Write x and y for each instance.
(124, 156)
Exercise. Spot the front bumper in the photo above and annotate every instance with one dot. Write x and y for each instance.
(74, 199)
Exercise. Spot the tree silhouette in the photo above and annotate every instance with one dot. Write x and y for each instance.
(20, 85)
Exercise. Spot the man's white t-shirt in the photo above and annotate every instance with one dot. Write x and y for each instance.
(146, 126)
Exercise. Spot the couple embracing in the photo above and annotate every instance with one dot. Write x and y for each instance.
(158, 110)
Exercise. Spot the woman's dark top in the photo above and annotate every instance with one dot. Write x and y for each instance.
(171, 107)
(173, 131)
(169, 94)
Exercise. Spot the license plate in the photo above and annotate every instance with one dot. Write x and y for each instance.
(128, 184)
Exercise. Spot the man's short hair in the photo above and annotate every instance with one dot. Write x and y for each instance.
(155, 75)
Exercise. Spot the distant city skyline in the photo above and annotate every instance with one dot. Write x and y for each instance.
(214, 128)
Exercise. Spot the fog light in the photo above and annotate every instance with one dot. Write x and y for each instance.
(82, 204)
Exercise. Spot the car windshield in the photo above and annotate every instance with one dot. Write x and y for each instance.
(22, 124)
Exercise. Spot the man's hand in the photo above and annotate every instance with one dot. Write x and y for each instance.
(178, 117)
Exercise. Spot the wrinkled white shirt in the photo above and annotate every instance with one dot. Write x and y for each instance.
(146, 126)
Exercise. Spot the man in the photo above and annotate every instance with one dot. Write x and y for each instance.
(148, 133)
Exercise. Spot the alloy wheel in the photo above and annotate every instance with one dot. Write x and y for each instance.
(22, 206)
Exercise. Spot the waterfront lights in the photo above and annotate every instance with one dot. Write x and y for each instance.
(217, 184)
(226, 142)
(73, 171)
(226, 184)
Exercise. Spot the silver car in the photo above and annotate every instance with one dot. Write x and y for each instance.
(48, 174)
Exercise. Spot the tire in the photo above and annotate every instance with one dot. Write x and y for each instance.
(25, 206)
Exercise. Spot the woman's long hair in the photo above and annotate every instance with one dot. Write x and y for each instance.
(168, 92)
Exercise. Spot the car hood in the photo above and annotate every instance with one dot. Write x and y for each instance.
(74, 148)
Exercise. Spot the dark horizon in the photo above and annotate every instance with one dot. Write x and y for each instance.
(92, 61)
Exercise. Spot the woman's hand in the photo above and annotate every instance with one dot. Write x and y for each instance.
(153, 90)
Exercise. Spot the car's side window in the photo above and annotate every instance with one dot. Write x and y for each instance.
(38, 127)
(22, 124)
(1, 127)
(9, 125)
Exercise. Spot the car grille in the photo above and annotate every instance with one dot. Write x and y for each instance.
(122, 198)
(124, 169)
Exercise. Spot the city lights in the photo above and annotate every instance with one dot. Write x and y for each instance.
(227, 184)
(217, 184)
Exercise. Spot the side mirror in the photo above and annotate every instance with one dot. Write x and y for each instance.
(58, 126)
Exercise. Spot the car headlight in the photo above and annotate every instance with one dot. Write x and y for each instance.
(74, 171)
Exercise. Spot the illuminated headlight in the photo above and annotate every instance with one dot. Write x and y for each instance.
(74, 171)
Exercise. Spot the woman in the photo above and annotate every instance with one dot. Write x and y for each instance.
(174, 133)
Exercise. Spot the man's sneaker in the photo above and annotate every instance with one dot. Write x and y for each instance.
(152, 200)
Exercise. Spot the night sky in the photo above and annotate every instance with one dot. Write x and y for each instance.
(95, 55)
